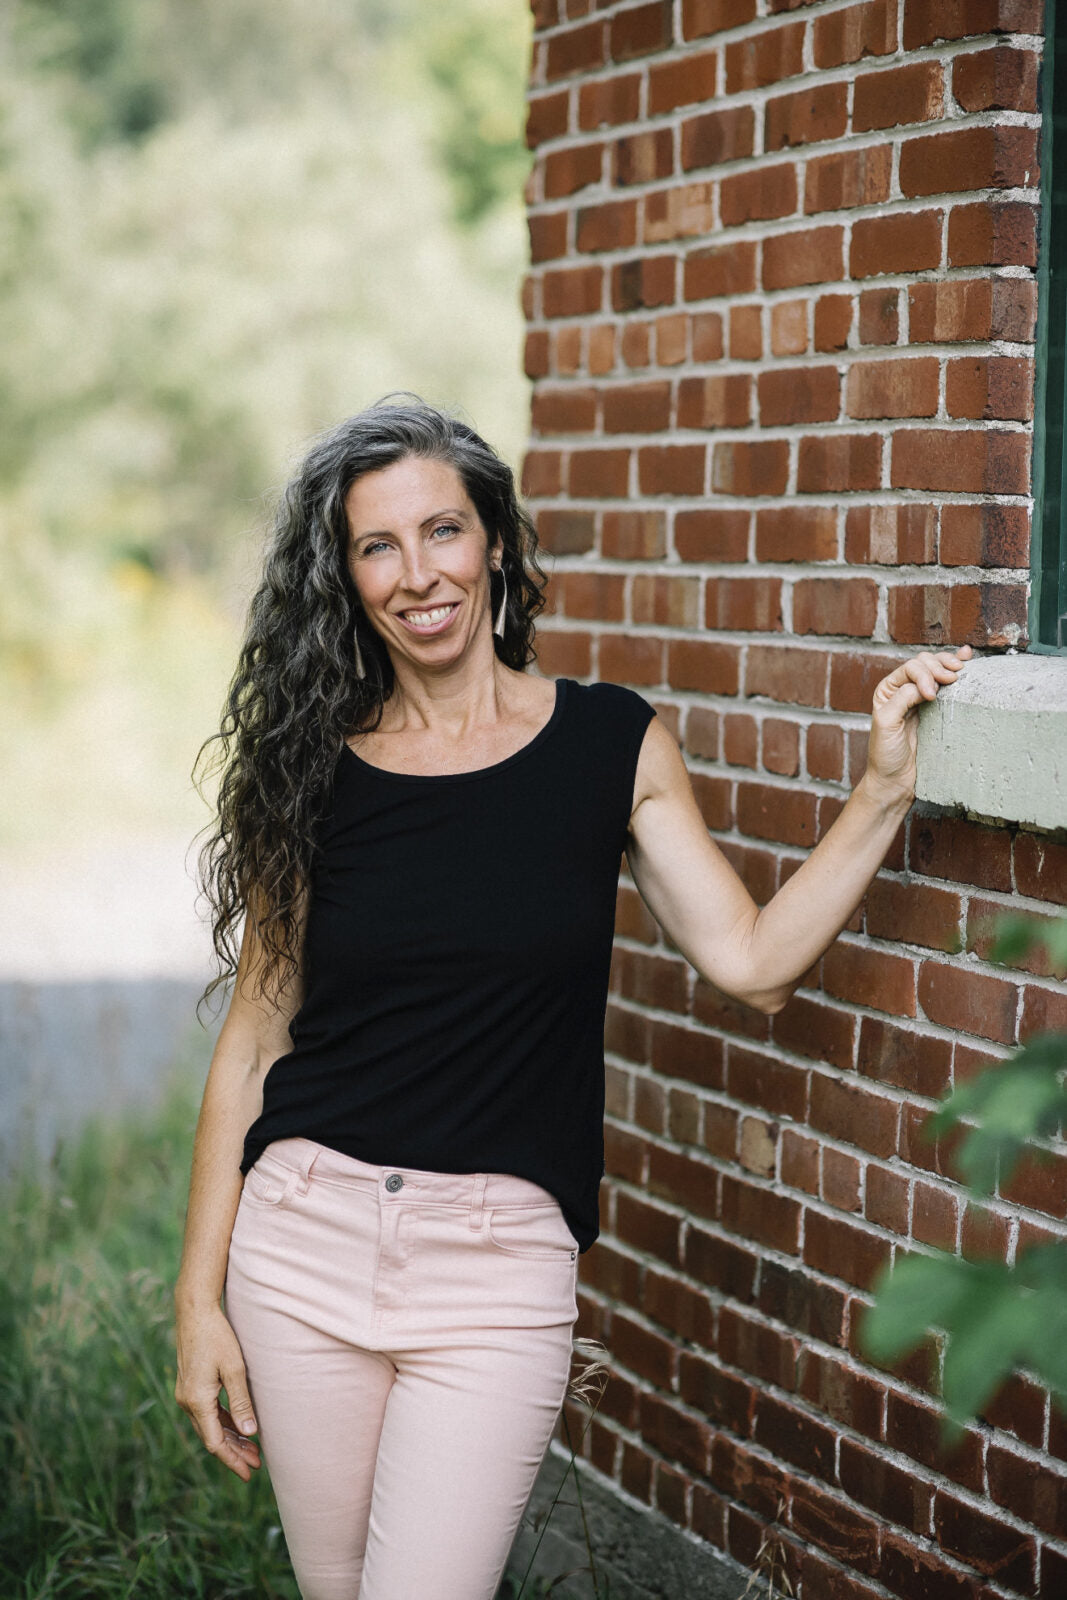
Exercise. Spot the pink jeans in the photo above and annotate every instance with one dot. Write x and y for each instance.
(407, 1337)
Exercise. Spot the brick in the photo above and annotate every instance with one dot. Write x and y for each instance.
(757, 1349)
(750, 467)
(631, 658)
(745, 604)
(756, 1212)
(675, 469)
(542, 473)
(912, 93)
(926, 21)
(1018, 1407)
(879, 318)
(984, 535)
(681, 212)
(985, 1236)
(564, 655)
(548, 236)
(853, 680)
(535, 353)
(684, 82)
(643, 157)
(672, 334)
(637, 407)
(902, 242)
(965, 852)
(612, 226)
(776, 1087)
(636, 344)
(839, 463)
(900, 388)
(887, 1199)
(831, 1582)
(891, 535)
(990, 387)
(780, 747)
(812, 255)
(914, 1428)
(1040, 1185)
(1041, 867)
(806, 116)
(890, 1491)
(593, 596)
(791, 676)
(640, 30)
(784, 815)
(707, 336)
(572, 291)
(722, 270)
(567, 171)
(848, 179)
(546, 117)
(726, 1400)
(843, 1249)
(678, 1307)
(799, 1162)
(566, 532)
(904, 1057)
(982, 919)
(789, 328)
(794, 1436)
(647, 1354)
(843, 606)
(715, 402)
(713, 137)
(833, 321)
(984, 1542)
(576, 50)
(935, 1216)
(567, 350)
(825, 752)
(799, 394)
(848, 1397)
(840, 1186)
(702, 732)
(998, 79)
(791, 1295)
(954, 310)
(703, 665)
(961, 460)
(870, 978)
(634, 535)
(1044, 1011)
(666, 602)
(765, 58)
(970, 158)
(563, 410)
(703, 17)
(595, 474)
(768, 191)
(914, 913)
(851, 1113)
(689, 1053)
(1036, 1497)
(675, 1434)
(606, 103)
(969, 1001)
(992, 233)
(746, 333)
(842, 37)
(711, 535)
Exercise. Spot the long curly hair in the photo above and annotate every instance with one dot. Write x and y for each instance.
(296, 696)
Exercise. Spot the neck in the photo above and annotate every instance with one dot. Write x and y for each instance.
(449, 702)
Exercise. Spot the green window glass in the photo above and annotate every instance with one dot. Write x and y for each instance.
(1048, 558)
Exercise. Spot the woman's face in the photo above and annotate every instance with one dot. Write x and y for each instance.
(419, 558)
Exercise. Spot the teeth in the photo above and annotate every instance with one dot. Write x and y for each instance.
(426, 619)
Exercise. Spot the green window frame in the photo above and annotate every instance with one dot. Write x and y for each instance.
(1048, 547)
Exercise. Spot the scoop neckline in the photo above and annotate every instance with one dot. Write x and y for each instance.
(478, 772)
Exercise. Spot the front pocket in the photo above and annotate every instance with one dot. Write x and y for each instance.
(537, 1232)
(269, 1191)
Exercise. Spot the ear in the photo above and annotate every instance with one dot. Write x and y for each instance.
(496, 554)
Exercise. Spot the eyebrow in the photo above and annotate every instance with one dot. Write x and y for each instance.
(449, 511)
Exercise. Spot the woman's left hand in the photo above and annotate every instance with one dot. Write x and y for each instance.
(894, 724)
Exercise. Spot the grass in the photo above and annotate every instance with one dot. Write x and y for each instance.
(104, 1489)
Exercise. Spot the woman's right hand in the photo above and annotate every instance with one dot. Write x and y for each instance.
(209, 1360)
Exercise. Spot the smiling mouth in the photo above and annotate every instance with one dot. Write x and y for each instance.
(431, 620)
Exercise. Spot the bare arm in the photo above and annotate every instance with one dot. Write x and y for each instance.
(758, 956)
(254, 1034)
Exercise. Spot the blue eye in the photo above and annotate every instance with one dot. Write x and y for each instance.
(446, 527)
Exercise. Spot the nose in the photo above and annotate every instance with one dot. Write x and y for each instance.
(418, 575)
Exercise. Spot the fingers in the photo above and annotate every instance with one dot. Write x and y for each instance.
(236, 1385)
(921, 676)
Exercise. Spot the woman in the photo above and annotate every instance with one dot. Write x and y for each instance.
(397, 1158)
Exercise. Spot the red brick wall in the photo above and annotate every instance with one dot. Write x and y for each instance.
(781, 310)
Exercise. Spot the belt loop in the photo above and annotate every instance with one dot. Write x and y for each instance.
(301, 1178)
(478, 1200)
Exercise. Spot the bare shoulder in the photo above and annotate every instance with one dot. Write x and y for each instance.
(660, 767)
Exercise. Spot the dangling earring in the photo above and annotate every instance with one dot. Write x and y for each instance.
(498, 625)
(361, 670)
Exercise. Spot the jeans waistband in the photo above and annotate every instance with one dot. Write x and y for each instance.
(303, 1159)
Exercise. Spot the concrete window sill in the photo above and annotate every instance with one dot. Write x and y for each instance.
(995, 743)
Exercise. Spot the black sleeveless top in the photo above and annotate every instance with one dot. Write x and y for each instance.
(456, 960)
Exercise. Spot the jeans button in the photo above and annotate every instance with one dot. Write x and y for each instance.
(394, 1182)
